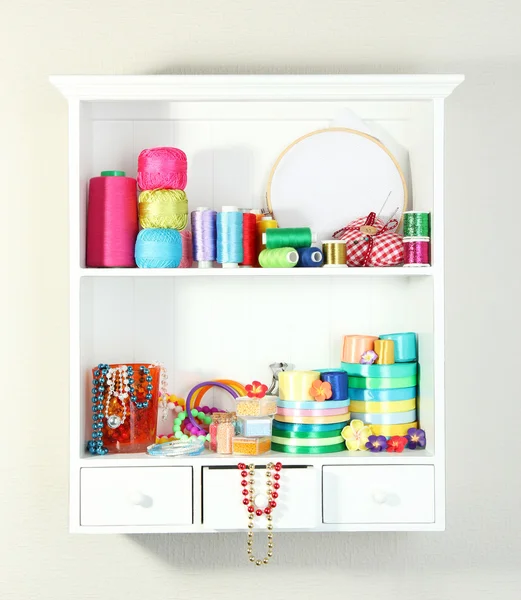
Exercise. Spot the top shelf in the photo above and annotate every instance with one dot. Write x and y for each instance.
(245, 272)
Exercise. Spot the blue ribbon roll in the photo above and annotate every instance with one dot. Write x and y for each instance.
(313, 405)
(404, 346)
(386, 419)
(307, 427)
(396, 370)
(382, 395)
(338, 381)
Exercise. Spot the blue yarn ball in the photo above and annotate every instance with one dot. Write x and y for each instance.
(158, 249)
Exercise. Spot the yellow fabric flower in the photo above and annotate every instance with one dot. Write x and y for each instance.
(356, 435)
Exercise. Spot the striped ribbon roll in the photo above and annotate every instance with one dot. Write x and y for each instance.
(396, 370)
(313, 405)
(313, 420)
(308, 449)
(382, 407)
(381, 383)
(328, 412)
(311, 442)
(309, 435)
(385, 418)
(308, 428)
(383, 395)
(390, 430)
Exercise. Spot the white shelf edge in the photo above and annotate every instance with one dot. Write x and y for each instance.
(255, 87)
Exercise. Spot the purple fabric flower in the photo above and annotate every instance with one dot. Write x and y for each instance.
(368, 357)
(415, 438)
(376, 443)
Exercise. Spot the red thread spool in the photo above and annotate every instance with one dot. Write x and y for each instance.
(162, 169)
(187, 258)
(112, 220)
(249, 239)
(416, 251)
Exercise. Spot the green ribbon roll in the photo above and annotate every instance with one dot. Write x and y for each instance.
(303, 443)
(308, 449)
(396, 370)
(306, 435)
(381, 383)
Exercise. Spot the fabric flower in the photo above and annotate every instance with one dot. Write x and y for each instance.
(396, 443)
(256, 389)
(320, 390)
(415, 438)
(368, 358)
(356, 435)
(376, 443)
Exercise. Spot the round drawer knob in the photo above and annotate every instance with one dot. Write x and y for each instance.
(380, 497)
(261, 501)
(139, 499)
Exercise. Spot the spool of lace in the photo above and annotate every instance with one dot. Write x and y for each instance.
(163, 209)
(162, 168)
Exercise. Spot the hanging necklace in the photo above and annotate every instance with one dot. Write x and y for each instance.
(260, 504)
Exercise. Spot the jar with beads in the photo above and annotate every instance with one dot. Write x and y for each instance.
(216, 419)
(225, 433)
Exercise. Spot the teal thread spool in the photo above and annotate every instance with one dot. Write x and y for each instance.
(288, 237)
(416, 224)
(279, 258)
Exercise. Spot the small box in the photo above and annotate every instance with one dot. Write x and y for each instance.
(251, 446)
(255, 407)
(254, 426)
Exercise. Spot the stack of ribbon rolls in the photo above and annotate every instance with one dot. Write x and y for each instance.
(382, 381)
(312, 410)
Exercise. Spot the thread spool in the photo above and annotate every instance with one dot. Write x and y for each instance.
(339, 384)
(163, 209)
(280, 258)
(162, 168)
(416, 252)
(263, 225)
(229, 237)
(204, 236)
(310, 257)
(295, 385)
(249, 240)
(186, 249)
(112, 220)
(158, 249)
(416, 223)
(355, 345)
(385, 351)
(334, 253)
(292, 237)
(405, 346)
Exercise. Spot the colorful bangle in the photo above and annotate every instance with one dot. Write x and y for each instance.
(198, 396)
(381, 383)
(312, 420)
(385, 419)
(310, 435)
(382, 407)
(383, 395)
(313, 405)
(303, 443)
(307, 449)
(325, 412)
(223, 386)
(390, 430)
(395, 370)
(306, 428)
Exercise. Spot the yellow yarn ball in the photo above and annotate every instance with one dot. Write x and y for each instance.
(165, 209)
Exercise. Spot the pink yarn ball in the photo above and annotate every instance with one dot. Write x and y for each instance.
(162, 168)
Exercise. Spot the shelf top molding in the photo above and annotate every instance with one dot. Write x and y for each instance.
(255, 87)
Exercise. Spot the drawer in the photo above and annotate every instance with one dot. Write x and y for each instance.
(298, 504)
(374, 494)
(136, 496)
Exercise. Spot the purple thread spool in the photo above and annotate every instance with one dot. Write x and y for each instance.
(416, 251)
(204, 236)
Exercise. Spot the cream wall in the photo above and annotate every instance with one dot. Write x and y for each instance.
(479, 555)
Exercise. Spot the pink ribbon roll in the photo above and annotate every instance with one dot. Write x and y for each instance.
(322, 412)
(355, 346)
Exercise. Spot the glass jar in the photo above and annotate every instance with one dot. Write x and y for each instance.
(216, 419)
(225, 433)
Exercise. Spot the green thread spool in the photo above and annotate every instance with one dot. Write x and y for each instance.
(279, 258)
(288, 237)
(416, 224)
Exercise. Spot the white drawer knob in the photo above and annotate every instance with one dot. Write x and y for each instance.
(380, 497)
(139, 499)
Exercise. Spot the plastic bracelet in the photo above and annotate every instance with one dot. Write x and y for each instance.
(302, 443)
(193, 447)
(303, 428)
(313, 405)
(382, 407)
(390, 430)
(383, 395)
(324, 412)
(312, 420)
(307, 449)
(223, 386)
(396, 370)
(198, 396)
(385, 419)
(310, 435)
(381, 383)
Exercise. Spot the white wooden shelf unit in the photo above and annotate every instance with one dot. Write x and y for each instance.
(213, 324)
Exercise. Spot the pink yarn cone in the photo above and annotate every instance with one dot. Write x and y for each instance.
(186, 240)
(162, 168)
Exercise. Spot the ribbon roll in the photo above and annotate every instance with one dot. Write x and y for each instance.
(382, 407)
(383, 395)
(314, 405)
(301, 443)
(281, 433)
(355, 345)
(307, 449)
(312, 420)
(385, 351)
(385, 419)
(338, 381)
(390, 430)
(327, 412)
(404, 346)
(381, 383)
(295, 385)
(308, 428)
(396, 370)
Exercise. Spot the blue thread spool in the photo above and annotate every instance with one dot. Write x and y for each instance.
(229, 237)
(310, 257)
(404, 346)
(338, 379)
(158, 249)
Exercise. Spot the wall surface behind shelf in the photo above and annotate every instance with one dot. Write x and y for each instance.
(479, 554)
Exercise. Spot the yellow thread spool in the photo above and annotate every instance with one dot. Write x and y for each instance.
(334, 253)
(165, 209)
(262, 225)
(385, 351)
(294, 386)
